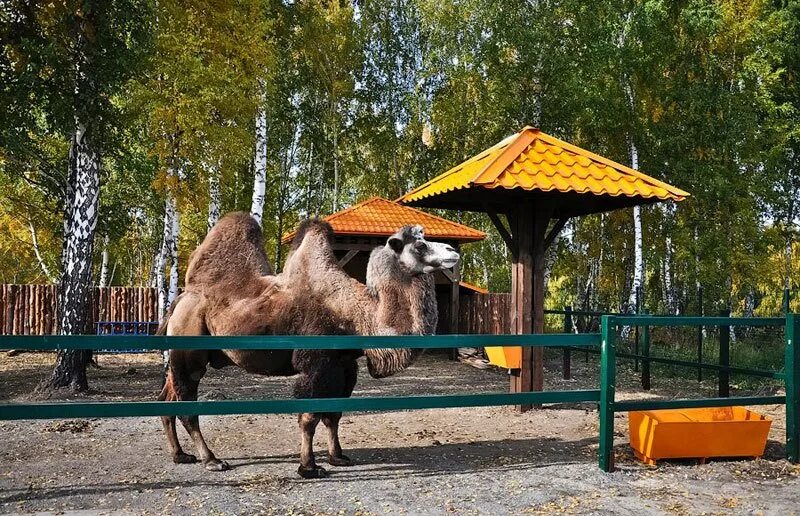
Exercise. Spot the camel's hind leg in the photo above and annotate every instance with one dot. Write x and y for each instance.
(192, 426)
(186, 369)
(178, 455)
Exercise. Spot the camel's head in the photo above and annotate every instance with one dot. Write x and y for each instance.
(418, 255)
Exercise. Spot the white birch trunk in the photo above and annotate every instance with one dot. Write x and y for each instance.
(80, 222)
(79, 239)
(260, 167)
(638, 258)
(335, 171)
(168, 254)
(172, 293)
(37, 252)
(633, 158)
(213, 195)
(669, 293)
(103, 281)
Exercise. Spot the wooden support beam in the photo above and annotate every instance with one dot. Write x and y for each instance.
(527, 280)
(451, 275)
(505, 234)
(556, 229)
(522, 294)
(347, 257)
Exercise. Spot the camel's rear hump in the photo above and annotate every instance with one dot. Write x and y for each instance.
(232, 253)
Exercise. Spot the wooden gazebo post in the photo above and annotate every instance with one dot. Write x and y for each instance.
(528, 240)
(533, 179)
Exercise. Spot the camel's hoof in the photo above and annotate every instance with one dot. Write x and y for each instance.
(315, 472)
(343, 460)
(184, 458)
(216, 465)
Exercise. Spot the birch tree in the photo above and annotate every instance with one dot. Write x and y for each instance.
(86, 51)
(260, 164)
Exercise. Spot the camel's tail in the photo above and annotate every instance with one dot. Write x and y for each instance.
(162, 330)
(162, 327)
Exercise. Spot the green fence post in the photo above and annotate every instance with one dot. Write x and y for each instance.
(724, 357)
(607, 388)
(646, 361)
(567, 358)
(792, 372)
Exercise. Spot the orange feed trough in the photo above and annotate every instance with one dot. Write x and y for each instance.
(507, 357)
(697, 433)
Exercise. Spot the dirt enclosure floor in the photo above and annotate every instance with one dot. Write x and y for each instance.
(462, 461)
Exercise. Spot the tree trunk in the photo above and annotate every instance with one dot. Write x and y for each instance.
(633, 157)
(169, 252)
(213, 195)
(103, 281)
(37, 252)
(260, 166)
(335, 171)
(74, 289)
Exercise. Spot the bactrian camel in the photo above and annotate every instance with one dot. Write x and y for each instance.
(230, 290)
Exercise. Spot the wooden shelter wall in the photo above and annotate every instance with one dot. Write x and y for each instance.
(485, 314)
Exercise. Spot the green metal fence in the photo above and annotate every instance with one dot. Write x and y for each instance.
(609, 406)
(605, 395)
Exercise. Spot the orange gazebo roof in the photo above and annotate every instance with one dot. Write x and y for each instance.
(534, 162)
(378, 217)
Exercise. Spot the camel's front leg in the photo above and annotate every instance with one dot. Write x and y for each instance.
(308, 466)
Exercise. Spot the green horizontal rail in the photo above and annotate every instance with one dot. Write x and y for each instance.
(688, 363)
(286, 406)
(162, 342)
(622, 406)
(656, 320)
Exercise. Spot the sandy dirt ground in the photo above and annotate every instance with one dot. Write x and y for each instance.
(461, 461)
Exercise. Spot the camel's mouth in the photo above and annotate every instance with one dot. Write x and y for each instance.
(450, 262)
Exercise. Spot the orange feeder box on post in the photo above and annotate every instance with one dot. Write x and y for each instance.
(507, 357)
(698, 433)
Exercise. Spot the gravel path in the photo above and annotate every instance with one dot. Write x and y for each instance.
(463, 461)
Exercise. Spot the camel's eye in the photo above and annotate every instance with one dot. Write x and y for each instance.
(420, 246)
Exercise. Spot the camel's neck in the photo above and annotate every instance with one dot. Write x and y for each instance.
(314, 269)
(406, 303)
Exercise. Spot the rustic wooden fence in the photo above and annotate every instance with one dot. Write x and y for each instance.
(486, 314)
(33, 309)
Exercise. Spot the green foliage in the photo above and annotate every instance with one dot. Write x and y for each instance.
(373, 98)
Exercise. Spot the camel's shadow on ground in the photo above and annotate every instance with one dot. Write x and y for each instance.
(442, 459)
(378, 464)
(371, 464)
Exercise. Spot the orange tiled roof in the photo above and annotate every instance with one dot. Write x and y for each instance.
(476, 288)
(533, 160)
(382, 218)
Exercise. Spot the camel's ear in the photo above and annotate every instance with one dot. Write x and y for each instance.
(396, 243)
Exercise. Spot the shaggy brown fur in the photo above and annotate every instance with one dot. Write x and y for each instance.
(227, 294)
